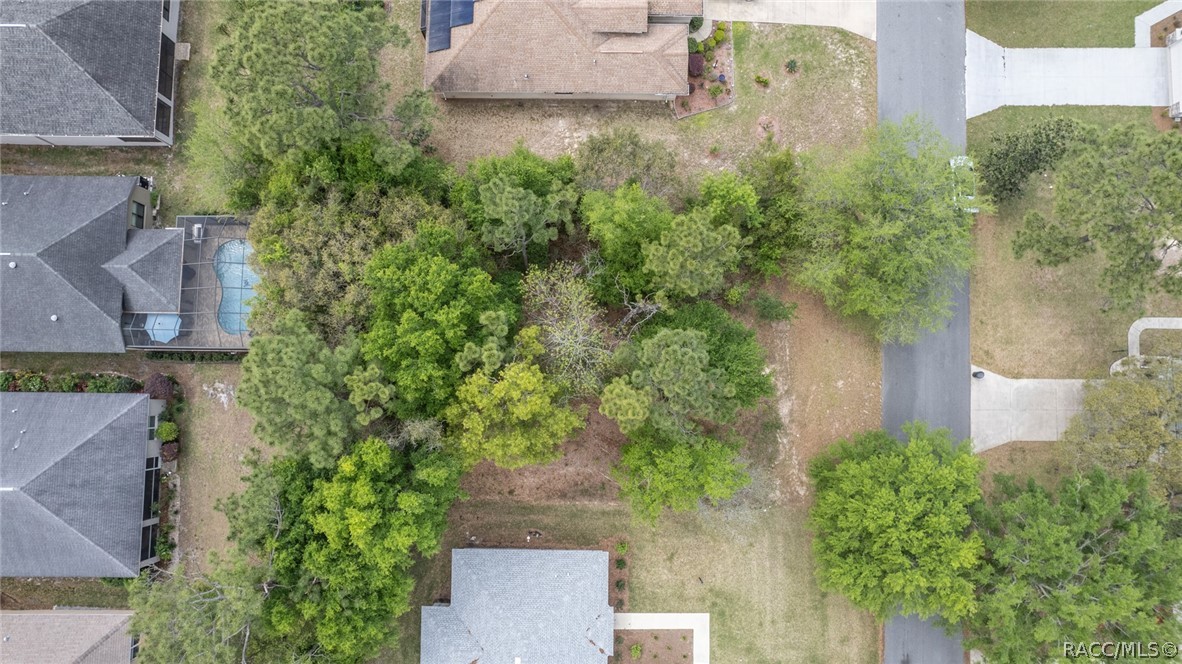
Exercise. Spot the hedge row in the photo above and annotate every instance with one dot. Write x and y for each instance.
(31, 381)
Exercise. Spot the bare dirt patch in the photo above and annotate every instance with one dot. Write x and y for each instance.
(582, 474)
(657, 646)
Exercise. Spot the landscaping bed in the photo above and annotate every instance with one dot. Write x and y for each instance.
(711, 73)
(653, 646)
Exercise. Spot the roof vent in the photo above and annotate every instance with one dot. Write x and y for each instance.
(12, 264)
(53, 318)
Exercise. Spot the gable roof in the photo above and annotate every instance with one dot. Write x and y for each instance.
(66, 636)
(75, 259)
(71, 483)
(531, 47)
(79, 67)
(540, 606)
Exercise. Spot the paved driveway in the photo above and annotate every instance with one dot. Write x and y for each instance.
(857, 16)
(1008, 409)
(921, 70)
(996, 76)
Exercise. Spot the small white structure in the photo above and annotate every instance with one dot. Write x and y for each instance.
(1174, 56)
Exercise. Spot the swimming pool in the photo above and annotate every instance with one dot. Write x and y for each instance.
(237, 280)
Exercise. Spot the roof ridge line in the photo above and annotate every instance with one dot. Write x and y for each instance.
(83, 69)
(85, 440)
(106, 637)
(71, 283)
(72, 529)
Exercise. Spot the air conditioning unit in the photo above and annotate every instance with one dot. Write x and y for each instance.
(1174, 37)
(198, 233)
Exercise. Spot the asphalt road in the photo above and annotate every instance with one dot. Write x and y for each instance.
(921, 59)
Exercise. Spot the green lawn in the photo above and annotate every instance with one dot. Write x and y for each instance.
(1010, 118)
(1055, 23)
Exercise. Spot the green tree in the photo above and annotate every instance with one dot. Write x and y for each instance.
(516, 218)
(311, 256)
(1119, 194)
(1099, 561)
(622, 223)
(885, 237)
(415, 112)
(1129, 423)
(521, 168)
(207, 617)
(571, 329)
(1012, 157)
(772, 172)
(731, 345)
(892, 523)
(432, 304)
(513, 419)
(677, 472)
(674, 381)
(300, 73)
(370, 522)
(294, 386)
(618, 157)
(693, 257)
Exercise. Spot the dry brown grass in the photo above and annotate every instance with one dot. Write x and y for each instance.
(1038, 461)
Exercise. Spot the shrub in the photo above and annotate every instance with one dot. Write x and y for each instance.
(112, 384)
(1011, 157)
(33, 383)
(762, 81)
(792, 66)
(769, 308)
(719, 35)
(621, 563)
(710, 55)
(695, 24)
(737, 293)
(167, 432)
(697, 64)
(170, 451)
(622, 548)
(64, 383)
(685, 105)
(8, 381)
(694, 45)
(716, 91)
(171, 356)
(159, 386)
(708, 44)
(621, 584)
(637, 650)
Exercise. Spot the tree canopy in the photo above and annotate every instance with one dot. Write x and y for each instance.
(1129, 423)
(693, 257)
(1119, 194)
(673, 383)
(893, 526)
(1101, 560)
(287, 79)
(618, 157)
(436, 315)
(521, 169)
(623, 223)
(677, 471)
(885, 236)
(571, 329)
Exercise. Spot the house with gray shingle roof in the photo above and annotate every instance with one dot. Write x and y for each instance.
(88, 72)
(79, 484)
(66, 636)
(557, 49)
(522, 606)
(74, 257)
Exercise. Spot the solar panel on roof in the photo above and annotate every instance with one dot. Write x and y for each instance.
(438, 25)
(461, 12)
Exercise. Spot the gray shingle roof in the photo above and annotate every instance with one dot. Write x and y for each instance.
(79, 67)
(71, 483)
(75, 258)
(66, 636)
(541, 606)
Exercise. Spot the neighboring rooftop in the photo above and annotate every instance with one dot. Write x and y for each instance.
(539, 606)
(79, 67)
(75, 261)
(531, 48)
(72, 483)
(65, 636)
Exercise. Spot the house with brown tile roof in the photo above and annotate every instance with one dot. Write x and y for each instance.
(66, 636)
(557, 49)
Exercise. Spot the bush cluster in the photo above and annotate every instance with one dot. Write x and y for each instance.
(30, 381)
(1013, 156)
(198, 357)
